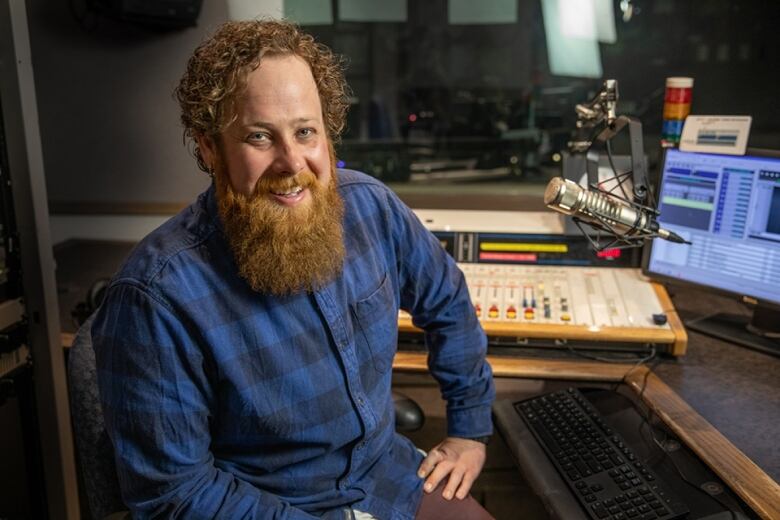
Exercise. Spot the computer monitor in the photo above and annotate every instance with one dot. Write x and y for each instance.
(728, 207)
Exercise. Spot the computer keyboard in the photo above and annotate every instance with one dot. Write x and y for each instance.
(605, 475)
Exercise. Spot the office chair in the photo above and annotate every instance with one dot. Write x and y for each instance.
(95, 452)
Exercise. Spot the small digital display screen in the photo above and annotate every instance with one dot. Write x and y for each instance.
(518, 249)
(728, 207)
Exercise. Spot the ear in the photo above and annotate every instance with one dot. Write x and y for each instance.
(208, 150)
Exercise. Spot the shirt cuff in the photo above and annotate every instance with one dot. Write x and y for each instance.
(470, 422)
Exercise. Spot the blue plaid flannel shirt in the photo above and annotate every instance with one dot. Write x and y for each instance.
(224, 403)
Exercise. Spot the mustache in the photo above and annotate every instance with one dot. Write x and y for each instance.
(266, 184)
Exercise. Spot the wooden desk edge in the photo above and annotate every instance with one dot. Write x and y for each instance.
(750, 482)
(529, 368)
(675, 335)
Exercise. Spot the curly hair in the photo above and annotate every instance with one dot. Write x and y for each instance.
(217, 71)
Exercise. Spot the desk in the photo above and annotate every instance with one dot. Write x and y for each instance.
(752, 483)
(721, 399)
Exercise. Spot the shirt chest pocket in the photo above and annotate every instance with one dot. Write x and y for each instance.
(376, 318)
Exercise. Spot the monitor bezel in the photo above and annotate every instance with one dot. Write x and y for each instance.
(647, 250)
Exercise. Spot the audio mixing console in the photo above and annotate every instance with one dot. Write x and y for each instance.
(593, 304)
(544, 285)
(595, 297)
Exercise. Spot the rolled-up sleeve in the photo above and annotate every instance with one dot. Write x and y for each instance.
(434, 292)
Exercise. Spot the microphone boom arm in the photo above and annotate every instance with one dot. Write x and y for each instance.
(636, 145)
(599, 118)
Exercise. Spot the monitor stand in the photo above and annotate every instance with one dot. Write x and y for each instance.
(760, 332)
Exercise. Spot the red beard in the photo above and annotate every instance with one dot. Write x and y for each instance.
(282, 250)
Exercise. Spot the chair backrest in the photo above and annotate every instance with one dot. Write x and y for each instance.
(95, 453)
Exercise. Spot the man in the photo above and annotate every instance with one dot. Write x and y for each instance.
(244, 350)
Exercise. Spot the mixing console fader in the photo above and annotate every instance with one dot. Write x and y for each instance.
(592, 304)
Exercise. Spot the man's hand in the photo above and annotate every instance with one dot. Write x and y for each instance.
(461, 459)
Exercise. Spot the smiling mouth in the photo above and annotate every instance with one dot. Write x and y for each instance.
(289, 193)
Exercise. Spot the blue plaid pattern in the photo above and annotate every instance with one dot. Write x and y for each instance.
(224, 403)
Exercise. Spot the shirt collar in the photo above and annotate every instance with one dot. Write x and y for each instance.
(208, 205)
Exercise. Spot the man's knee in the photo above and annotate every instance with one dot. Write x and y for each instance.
(435, 507)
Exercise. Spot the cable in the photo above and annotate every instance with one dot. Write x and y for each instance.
(647, 416)
(636, 362)
(657, 361)
(690, 482)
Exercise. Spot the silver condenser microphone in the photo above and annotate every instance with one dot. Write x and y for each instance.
(604, 212)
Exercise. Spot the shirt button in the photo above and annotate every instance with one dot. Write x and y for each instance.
(360, 401)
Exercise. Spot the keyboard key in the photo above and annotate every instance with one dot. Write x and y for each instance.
(600, 510)
(595, 466)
